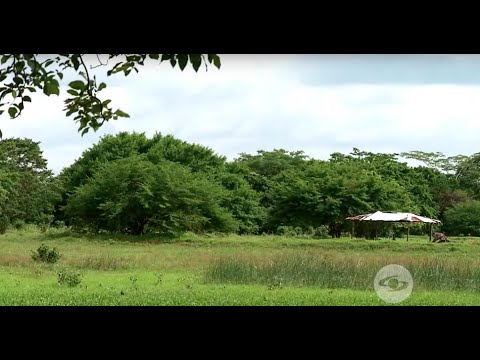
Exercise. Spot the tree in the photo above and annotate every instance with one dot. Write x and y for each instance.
(463, 219)
(23, 154)
(23, 74)
(133, 195)
(242, 201)
(437, 160)
(196, 157)
(468, 175)
(271, 163)
(28, 190)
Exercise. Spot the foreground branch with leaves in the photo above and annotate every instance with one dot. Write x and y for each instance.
(23, 74)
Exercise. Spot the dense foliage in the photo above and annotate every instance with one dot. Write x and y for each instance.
(131, 183)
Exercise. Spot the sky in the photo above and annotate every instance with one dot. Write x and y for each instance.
(320, 104)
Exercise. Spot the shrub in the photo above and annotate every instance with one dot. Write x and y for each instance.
(321, 232)
(3, 224)
(19, 224)
(69, 278)
(283, 230)
(45, 254)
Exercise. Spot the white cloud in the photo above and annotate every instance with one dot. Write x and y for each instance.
(259, 102)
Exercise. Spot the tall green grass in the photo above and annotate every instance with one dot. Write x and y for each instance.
(342, 273)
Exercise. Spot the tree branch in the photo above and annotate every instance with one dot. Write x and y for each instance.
(89, 88)
(100, 63)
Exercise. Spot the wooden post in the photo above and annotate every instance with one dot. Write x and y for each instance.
(408, 230)
(353, 229)
(431, 231)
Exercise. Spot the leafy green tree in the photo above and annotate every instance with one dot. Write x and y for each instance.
(196, 157)
(23, 74)
(242, 202)
(109, 148)
(32, 189)
(325, 193)
(271, 163)
(22, 154)
(133, 195)
(463, 219)
(468, 175)
(437, 160)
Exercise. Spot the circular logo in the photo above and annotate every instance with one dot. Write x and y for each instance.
(393, 283)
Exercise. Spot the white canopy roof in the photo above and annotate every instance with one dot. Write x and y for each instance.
(395, 217)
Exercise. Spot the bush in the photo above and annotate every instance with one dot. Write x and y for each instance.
(45, 254)
(19, 224)
(310, 230)
(3, 224)
(69, 278)
(288, 231)
(298, 230)
(321, 232)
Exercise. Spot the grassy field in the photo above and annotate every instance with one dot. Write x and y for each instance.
(232, 270)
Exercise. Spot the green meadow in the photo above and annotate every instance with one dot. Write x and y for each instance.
(230, 270)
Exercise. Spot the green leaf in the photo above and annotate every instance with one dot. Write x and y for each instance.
(12, 111)
(84, 131)
(72, 92)
(50, 87)
(216, 61)
(166, 57)
(154, 56)
(27, 98)
(106, 102)
(75, 62)
(34, 65)
(31, 89)
(48, 63)
(121, 113)
(182, 61)
(196, 60)
(4, 59)
(173, 62)
(14, 94)
(77, 85)
(96, 109)
(60, 75)
(1, 134)
(102, 86)
(18, 80)
(19, 65)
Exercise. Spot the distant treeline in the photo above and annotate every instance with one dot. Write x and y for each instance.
(130, 183)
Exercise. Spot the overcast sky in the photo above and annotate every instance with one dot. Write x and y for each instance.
(317, 103)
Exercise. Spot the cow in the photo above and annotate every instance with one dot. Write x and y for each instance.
(439, 237)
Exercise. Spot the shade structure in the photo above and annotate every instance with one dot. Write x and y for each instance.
(387, 216)
(397, 217)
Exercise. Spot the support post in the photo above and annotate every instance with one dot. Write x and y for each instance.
(353, 229)
(408, 230)
(431, 231)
